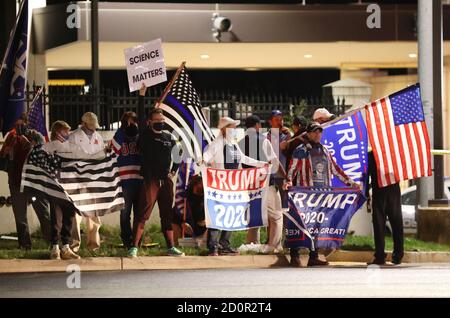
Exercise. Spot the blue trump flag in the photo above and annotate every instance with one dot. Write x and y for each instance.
(347, 142)
(319, 217)
(235, 199)
(13, 72)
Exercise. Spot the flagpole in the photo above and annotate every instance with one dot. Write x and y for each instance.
(185, 198)
(11, 38)
(331, 122)
(170, 84)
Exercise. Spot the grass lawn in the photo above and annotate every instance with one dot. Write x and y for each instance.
(153, 236)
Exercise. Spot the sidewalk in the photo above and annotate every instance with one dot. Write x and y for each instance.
(337, 259)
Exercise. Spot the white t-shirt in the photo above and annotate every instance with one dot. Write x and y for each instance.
(70, 150)
(89, 145)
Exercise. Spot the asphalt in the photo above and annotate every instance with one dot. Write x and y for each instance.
(408, 280)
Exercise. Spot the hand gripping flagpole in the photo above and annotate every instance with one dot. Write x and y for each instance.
(331, 122)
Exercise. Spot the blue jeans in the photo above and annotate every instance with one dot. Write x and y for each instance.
(131, 193)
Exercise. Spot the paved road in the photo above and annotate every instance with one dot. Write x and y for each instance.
(404, 281)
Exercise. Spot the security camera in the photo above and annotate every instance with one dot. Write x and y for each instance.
(222, 24)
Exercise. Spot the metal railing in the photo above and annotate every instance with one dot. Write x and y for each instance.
(68, 103)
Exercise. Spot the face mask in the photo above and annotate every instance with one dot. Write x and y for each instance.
(131, 130)
(231, 133)
(21, 129)
(62, 137)
(158, 126)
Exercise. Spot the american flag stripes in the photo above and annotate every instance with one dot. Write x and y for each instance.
(184, 115)
(399, 138)
(92, 186)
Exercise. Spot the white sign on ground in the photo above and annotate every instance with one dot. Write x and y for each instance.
(145, 64)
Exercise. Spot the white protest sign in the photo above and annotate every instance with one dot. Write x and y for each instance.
(145, 64)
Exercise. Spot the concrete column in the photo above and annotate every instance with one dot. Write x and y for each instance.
(430, 77)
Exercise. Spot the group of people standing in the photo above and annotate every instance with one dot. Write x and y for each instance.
(145, 153)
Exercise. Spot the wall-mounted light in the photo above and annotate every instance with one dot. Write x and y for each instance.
(412, 55)
(307, 56)
(204, 56)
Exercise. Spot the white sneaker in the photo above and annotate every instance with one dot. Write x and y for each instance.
(66, 253)
(55, 253)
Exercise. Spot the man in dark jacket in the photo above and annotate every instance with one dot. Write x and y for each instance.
(157, 169)
(386, 202)
(18, 143)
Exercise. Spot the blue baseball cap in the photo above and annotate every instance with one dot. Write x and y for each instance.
(276, 112)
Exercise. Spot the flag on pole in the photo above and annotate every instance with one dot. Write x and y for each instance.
(183, 111)
(399, 137)
(92, 186)
(13, 72)
(36, 117)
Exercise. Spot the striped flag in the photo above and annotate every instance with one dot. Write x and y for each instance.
(399, 138)
(92, 186)
(36, 119)
(183, 112)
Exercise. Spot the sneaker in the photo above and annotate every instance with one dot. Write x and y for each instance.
(174, 252)
(55, 253)
(317, 262)
(228, 251)
(132, 252)
(67, 253)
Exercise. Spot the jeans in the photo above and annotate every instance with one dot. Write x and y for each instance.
(218, 239)
(131, 195)
(19, 206)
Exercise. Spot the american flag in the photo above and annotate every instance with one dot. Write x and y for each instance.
(36, 119)
(183, 113)
(399, 138)
(92, 186)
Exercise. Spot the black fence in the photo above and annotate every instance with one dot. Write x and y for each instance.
(68, 103)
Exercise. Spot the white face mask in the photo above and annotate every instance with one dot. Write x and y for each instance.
(231, 133)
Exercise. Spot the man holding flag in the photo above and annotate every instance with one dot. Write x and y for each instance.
(401, 151)
(314, 166)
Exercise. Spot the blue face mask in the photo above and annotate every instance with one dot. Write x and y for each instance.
(21, 129)
(158, 126)
(62, 137)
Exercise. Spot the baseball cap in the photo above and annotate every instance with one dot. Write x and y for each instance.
(276, 112)
(313, 127)
(91, 119)
(322, 113)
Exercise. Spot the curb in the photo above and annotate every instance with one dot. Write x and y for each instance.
(338, 258)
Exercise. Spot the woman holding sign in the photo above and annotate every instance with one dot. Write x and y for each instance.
(224, 153)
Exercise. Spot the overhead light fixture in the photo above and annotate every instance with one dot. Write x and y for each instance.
(307, 56)
(252, 69)
(412, 55)
(204, 56)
